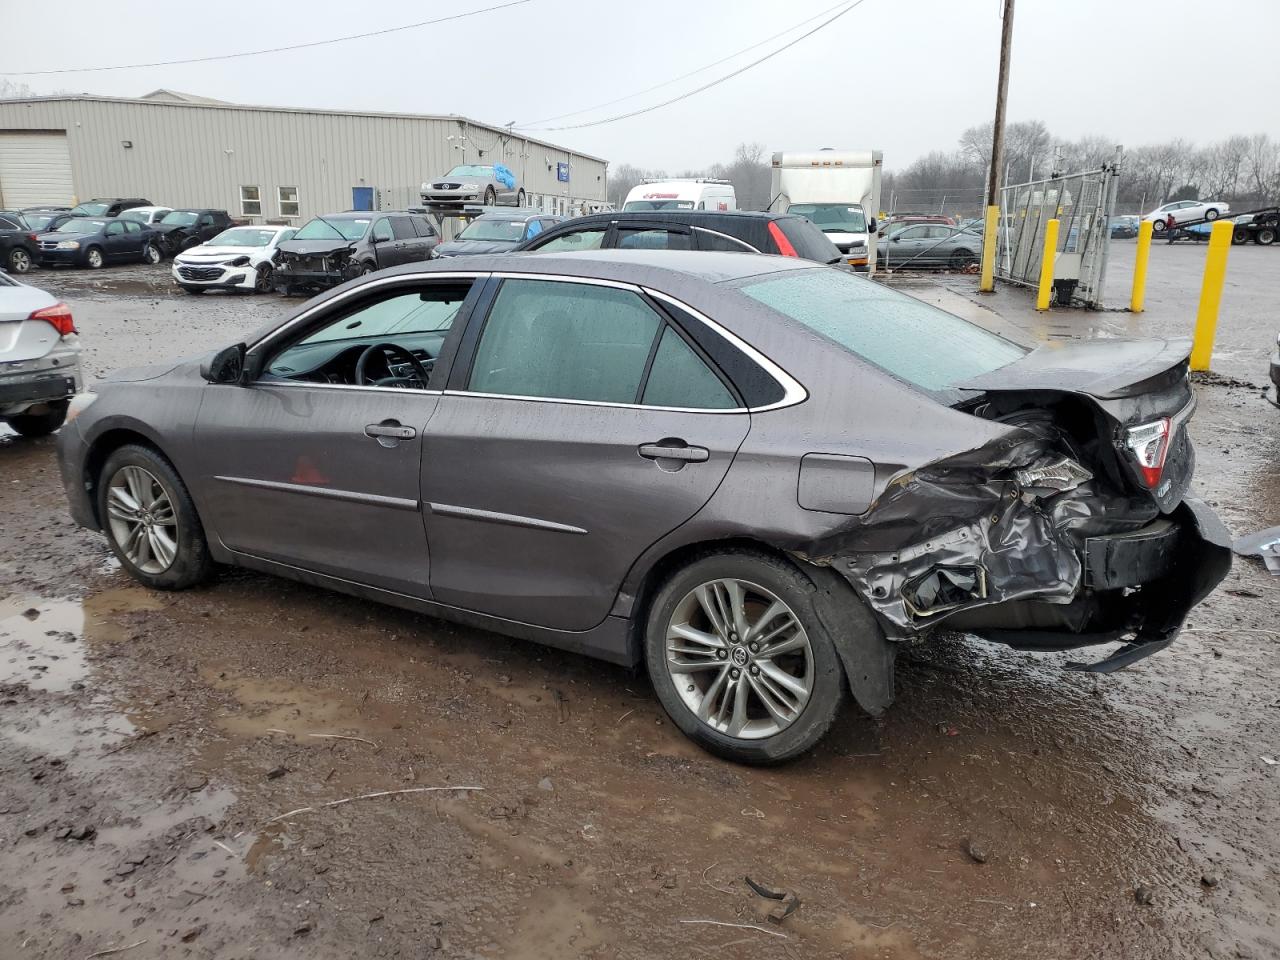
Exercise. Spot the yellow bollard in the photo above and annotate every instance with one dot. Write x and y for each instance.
(990, 228)
(1215, 275)
(1047, 261)
(1139, 296)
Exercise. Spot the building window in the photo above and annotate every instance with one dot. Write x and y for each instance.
(288, 197)
(250, 201)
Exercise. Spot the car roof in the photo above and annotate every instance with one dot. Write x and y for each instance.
(691, 217)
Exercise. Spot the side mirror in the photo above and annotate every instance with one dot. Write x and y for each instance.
(871, 225)
(225, 366)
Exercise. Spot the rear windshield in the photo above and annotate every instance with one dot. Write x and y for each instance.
(911, 340)
(810, 242)
(92, 209)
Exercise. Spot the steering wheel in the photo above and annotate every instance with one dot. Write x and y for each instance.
(386, 352)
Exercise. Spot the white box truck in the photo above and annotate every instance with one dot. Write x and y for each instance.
(839, 190)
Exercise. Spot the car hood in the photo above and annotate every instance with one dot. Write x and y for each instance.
(208, 250)
(168, 227)
(64, 235)
(307, 248)
(1104, 369)
(464, 248)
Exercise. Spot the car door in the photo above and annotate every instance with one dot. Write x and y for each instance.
(115, 241)
(136, 237)
(382, 241)
(326, 476)
(409, 247)
(904, 245)
(579, 426)
(429, 237)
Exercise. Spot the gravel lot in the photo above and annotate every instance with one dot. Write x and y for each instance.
(150, 743)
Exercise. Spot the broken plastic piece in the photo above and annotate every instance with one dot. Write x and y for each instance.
(789, 902)
(1265, 544)
(944, 588)
(1060, 475)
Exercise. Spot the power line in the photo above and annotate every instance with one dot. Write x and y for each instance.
(685, 76)
(257, 53)
(706, 86)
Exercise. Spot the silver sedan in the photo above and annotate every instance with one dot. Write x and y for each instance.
(474, 183)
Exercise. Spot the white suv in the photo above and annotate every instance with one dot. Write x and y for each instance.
(39, 359)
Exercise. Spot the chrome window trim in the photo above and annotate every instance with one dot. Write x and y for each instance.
(746, 247)
(598, 403)
(295, 384)
(507, 519)
(328, 493)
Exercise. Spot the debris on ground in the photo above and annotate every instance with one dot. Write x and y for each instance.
(1144, 895)
(977, 850)
(788, 901)
(1263, 545)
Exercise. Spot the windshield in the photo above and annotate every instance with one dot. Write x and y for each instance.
(243, 237)
(493, 230)
(658, 205)
(180, 218)
(139, 215)
(471, 170)
(81, 226)
(90, 209)
(832, 217)
(901, 335)
(318, 229)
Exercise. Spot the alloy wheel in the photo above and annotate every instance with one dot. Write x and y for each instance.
(739, 658)
(19, 261)
(141, 518)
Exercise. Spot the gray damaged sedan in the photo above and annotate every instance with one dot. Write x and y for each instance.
(755, 476)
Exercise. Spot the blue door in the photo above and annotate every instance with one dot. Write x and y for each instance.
(362, 198)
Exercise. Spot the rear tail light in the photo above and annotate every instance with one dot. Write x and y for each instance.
(784, 245)
(58, 316)
(1150, 445)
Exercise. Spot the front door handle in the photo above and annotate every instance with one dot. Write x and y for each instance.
(389, 432)
(667, 450)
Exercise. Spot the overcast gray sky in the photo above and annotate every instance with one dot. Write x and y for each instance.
(903, 76)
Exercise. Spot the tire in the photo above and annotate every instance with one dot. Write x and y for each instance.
(189, 562)
(19, 260)
(762, 737)
(962, 259)
(1211, 213)
(1239, 236)
(367, 269)
(1266, 236)
(93, 258)
(194, 291)
(40, 424)
(151, 254)
(490, 197)
(262, 284)
(520, 198)
(1158, 226)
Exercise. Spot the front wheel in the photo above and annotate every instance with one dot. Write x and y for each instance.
(19, 260)
(40, 424)
(1266, 236)
(1211, 214)
(490, 197)
(262, 282)
(93, 258)
(740, 660)
(1158, 226)
(150, 521)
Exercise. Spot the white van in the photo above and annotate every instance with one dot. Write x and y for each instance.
(702, 193)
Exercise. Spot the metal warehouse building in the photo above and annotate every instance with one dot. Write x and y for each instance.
(262, 163)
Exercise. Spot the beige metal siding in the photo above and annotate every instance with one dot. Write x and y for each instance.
(35, 168)
(192, 155)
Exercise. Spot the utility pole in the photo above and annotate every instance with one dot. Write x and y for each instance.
(997, 155)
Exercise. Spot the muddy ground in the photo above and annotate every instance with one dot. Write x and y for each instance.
(165, 758)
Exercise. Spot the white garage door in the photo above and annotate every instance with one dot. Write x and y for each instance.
(35, 168)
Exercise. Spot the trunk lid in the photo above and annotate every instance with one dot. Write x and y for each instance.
(20, 339)
(1140, 392)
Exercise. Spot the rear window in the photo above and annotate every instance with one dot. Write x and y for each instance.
(810, 242)
(910, 340)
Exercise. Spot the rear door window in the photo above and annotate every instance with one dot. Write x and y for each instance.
(680, 378)
(710, 240)
(423, 226)
(403, 229)
(652, 238)
(568, 341)
(588, 239)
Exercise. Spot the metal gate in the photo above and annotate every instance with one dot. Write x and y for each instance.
(1084, 204)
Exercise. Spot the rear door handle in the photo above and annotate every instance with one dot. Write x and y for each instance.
(662, 451)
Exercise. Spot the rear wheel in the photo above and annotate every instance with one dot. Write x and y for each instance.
(1211, 214)
(962, 260)
(151, 253)
(490, 197)
(19, 260)
(93, 258)
(739, 659)
(150, 520)
(1158, 226)
(520, 198)
(40, 424)
(1239, 236)
(1266, 236)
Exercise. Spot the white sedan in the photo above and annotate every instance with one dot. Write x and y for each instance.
(39, 359)
(240, 258)
(1183, 211)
